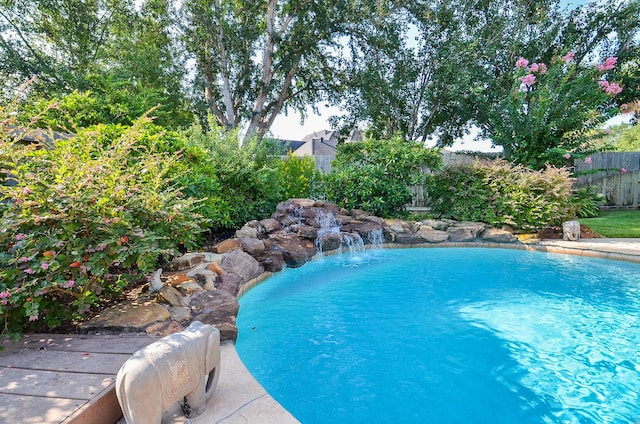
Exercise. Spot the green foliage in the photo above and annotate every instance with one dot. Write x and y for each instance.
(628, 140)
(298, 176)
(586, 202)
(551, 108)
(246, 173)
(377, 175)
(113, 60)
(500, 193)
(82, 220)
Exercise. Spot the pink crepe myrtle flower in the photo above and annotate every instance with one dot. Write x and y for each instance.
(69, 284)
(29, 271)
(33, 317)
(522, 63)
(569, 57)
(623, 170)
(541, 68)
(611, 88)
(587, 159)
(528, 80)
(44, 265)
(23, 259)
(5, 294)
(20, 236)
(567, 155)
(608, 64)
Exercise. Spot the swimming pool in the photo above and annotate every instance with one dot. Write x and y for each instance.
(448, 335)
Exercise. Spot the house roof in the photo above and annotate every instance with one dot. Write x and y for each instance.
(35, 135)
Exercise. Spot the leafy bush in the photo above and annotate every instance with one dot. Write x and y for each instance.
(81, 220)
(500, 193)
(298, 176)
(586, 202)
(377, 175)
(247, 174)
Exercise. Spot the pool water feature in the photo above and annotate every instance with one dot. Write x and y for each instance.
(448, 335)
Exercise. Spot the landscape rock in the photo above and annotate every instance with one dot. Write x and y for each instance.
(229, 283)
(432, 235)
(241, 264)
(329, 242)
(219, 309)
(272, 261)
(170, 295)
(189, 287)
(215, 268)
(436, 224)
(185, 262)
(227, 246)
(295, 251)
(409, 238)
(180, 313)
(252, 246)
(163, 329)
(246, 231)
(465, 232)
(497, 236)
(269, 225)
(128, 316)
(306, 231)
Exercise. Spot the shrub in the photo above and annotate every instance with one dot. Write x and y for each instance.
(500, 193)
(82, 220)
(586, 202)
(247, 174)
(298, 176)
(377, 175)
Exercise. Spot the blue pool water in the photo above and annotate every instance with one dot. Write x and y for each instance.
(448, 335)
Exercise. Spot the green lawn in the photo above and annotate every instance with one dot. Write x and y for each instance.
(615, 224)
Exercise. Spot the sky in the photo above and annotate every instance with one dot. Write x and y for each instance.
(289, 127)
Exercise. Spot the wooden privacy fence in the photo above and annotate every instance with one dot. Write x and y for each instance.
(616, 175)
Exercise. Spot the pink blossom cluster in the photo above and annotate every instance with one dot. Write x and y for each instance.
(608, 64)
(69, 284)
(522, 63)
(3, 296)
(528, 80)
(587, 159)
(610, 87)
(569, 57)
(541, 68)
(623, 170)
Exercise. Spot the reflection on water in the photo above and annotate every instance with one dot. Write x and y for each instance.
(582, 355)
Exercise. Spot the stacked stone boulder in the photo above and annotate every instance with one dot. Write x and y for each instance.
(205, 286)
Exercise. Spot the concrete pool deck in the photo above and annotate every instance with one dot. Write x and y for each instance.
(49, 378)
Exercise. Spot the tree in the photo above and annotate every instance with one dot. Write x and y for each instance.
(450, 53)
(254, 59)
(118, 52)
(551, 111)
(456, 72)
